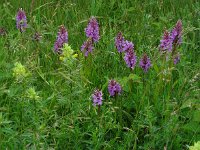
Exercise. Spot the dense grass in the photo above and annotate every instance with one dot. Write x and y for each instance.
(160, 110)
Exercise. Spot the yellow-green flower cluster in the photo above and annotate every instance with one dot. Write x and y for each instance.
(19, 71)
(196, 146)
(67, 54)
(32, 94)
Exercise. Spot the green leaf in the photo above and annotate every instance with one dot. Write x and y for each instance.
(186, 104)
(130, 9)
(134, 77)
(192, 127)
(196, 115)
(190, 103)
(155, 66)
(105, 85)
(124, 83)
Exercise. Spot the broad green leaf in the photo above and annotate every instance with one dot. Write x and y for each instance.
(134, 77)
(192, 127)
(196, 116)
(186, 104)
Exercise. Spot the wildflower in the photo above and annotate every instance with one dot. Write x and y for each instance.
(130, 58)
(166, 42)
(67, 50)
(19, 71)
(92, 30)
(145, 63)
(176, 33)
(177, 59)
(128, 46)
(75, 55)
(21, 20)
(97, 97)
(62, 38)
(114, 88)
(32, 94)
(37, 36)
(67, 53)
(119, 42)
(61, 58)
(196, 146)
(87, 47)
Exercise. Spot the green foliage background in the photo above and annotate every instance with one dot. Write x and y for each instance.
(163, 113)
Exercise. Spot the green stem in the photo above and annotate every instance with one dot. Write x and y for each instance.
(99, 110)
(144, 91)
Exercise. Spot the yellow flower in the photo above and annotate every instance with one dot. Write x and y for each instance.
(31, 93)
(68, 54)
(196, 146)
(61, 58)
(75, 55)
(19, 71)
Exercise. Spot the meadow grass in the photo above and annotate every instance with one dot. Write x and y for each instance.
(50, 106)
